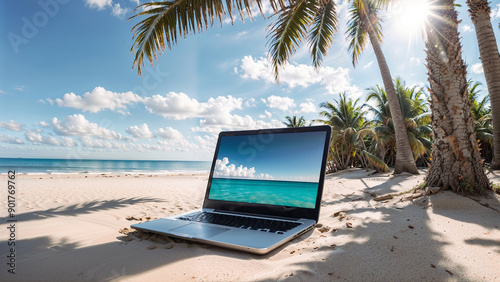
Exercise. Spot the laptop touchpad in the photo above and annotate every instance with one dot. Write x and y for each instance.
(196, 230)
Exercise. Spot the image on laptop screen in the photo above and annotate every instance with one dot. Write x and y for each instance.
(275, 169)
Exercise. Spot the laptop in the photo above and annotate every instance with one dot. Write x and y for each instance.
(264, 189)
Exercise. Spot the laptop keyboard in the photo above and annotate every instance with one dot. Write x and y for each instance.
(252, 223)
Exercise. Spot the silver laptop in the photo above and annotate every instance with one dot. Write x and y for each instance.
(264, 189)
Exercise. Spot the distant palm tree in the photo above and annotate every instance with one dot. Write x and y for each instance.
(295, 122)
(479, 11)
(456, 161)
(482, 121)
(365, 25)
(414, 107)
(348, 128)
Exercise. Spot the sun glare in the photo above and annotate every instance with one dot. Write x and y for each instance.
(410, 16)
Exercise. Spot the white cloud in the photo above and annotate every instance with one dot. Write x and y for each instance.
(224, 169)
(219, 123)
(466, 28)
(307, 107)
(42, 124)
(368, 65)
(12, 125)
(99, 4)
(68, 141)
(477, 68)
(88, 141)
(174, 105)
(415, 61)
(78, 125)
(215, 114)
(10, 139)
(39, 139)
(207, 142)
(173, 145)
(266, 114)
(118, 11)
(137, 2)
(250, 102)
(2, 92)
(181, 106)
(278, 102)
(98, 100)
(169, 133)
(334, 80)
(141, 131)
(495, 12)
(21, 88)
(240, 34)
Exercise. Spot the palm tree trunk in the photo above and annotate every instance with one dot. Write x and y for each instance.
(456, 161)
(479, 11)
(404, 156)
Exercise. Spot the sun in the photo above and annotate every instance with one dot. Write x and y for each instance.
(410, 16)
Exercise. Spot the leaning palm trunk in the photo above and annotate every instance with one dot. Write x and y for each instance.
(404, 156)
(456, 161)
(479, 11)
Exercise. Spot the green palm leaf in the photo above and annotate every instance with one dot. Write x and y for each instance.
(168, 20)
(357, 30)
(379, 165)
(321, 35)
(287, 33)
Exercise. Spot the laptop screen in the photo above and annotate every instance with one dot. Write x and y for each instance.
(280, 169)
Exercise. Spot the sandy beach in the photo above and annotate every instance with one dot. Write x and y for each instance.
(77, 227)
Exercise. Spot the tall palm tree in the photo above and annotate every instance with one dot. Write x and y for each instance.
(456, 162)
(295, 122)
(365, 24)
(479, 11)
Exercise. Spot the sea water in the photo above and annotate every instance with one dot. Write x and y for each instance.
(274, 192)
(34, 166)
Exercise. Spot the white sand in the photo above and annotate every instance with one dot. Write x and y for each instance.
(68, 229)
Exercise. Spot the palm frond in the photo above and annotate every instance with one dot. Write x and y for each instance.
(287, 33)
(322, 32)
(379, 165)
(357, 34)
(168, 20)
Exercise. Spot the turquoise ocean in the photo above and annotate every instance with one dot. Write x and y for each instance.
(36, 166)
(274, 192)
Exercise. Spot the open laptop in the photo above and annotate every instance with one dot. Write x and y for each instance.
(264, 189)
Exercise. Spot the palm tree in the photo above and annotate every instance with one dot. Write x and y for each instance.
(365, 24)
(479, 11)
(294, 122)
(456, 161)
(298, 20)
(414, 107)
(348, 128)
(482, 121)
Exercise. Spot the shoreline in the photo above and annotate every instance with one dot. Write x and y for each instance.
(107, 173)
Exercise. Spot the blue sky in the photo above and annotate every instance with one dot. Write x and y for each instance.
(292, 157)
(68, 90)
